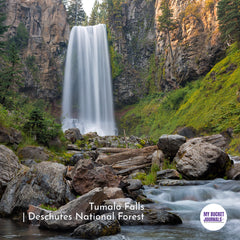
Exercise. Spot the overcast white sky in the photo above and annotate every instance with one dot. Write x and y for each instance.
(88, 4)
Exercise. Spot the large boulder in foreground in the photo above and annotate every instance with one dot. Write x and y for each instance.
(71, 210)
(9, 166)
(88, 175)
(170, 144)
(44, 184)
(198, 159)
(97, 229)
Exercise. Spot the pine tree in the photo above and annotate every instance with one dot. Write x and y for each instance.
(94, 16)
(3, 28)
(76, 13)
(10, 74)
(166, 22)
(229, 20)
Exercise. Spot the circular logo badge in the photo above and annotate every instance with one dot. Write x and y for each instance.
(213, 217)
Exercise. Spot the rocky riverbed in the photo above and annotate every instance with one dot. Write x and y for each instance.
(95, 194)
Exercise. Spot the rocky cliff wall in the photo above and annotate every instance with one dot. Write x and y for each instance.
(135, 41)
(48, 31)
(195, 44)
(195, 41)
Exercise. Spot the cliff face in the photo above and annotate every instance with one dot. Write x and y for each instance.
(195, 41)
(48, 30)
(195, 46)
(135, 41)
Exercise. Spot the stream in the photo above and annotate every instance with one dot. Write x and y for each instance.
(186, 201)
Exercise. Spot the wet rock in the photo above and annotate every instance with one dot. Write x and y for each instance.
(113, 192)
(198, 159)
(9, 166)
(35, 153)
(77, 206)
(88, 175)
(44, 184)
(173, 182)
(234, 172)
(168, 174)
(115, 237)
(97, 229)
(134, 184)
(170, 144)
(134, 213)
(73, 134)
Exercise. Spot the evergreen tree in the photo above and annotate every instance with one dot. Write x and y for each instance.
(10, 75)
(166, 22)
(3, 28)
(76, 13)
(229, 20)
(94, 17)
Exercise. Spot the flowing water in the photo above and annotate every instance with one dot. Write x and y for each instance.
(87, 91)
(186, 201)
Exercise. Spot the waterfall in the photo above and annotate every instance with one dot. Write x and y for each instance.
(87, 91)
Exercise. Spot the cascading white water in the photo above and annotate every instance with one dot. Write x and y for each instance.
(87, 91)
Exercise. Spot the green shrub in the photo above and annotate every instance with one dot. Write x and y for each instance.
(41, 128)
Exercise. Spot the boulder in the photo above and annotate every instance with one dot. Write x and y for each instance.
(97, 229)
(158, 158)
(33, 152)
(234, 172)
(72, 209)
(9, 166)
(113, 192)
(10, 136)
(170, 144)
(217, 140)
(44, 184)
(88, 175)
(73, 134)
(134, 184)
(198, 159)
(168, 174)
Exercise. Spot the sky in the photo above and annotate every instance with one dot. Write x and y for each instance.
(87, 5)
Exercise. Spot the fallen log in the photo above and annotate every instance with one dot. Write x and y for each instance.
(113, 150)
(115, 158)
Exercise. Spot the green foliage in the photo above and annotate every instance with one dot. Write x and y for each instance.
(167, 164)
(42, 129)
(115, 58)
(75, 13)
(209, 105)
(10, 75)
(21, 37)
(150, 178)
(229, 19)
(48, 207)
(3, 28)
